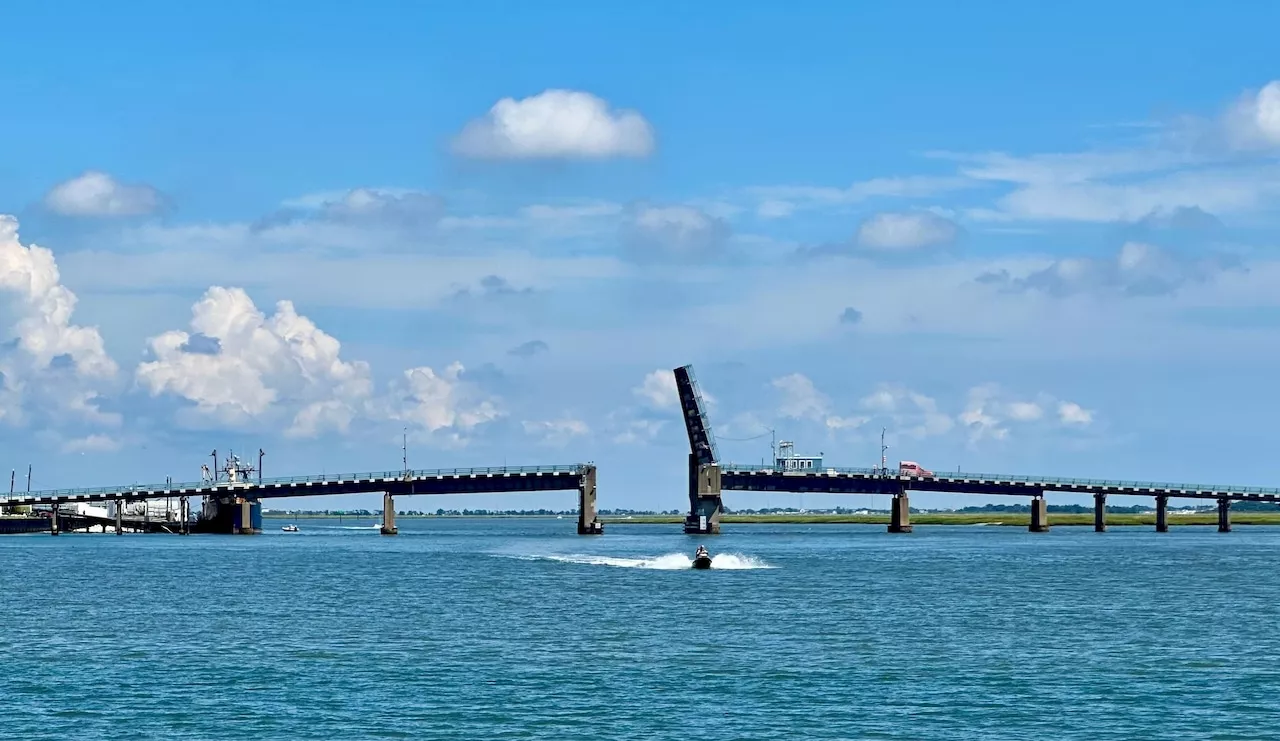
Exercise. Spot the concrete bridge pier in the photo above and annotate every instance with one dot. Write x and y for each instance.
(588, 522)
(1039, 515)
(1224, 515)
(53, 523)
(705, 504)
(388, 515)
(184, 512)
(119, 517)
(1162, 513)
(1099, 513)
(900, 513)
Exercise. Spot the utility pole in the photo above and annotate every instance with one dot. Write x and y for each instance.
(404, 450)
(260, 454)
(13, 473)
(28, 478)
(215, 465)
(884, 460)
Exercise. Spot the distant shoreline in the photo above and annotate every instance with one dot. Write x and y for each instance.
(1020, 519)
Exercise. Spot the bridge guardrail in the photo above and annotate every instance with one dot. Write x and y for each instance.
(202, 486)
(1018, 478)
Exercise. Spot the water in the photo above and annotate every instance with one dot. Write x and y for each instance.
(519, 629)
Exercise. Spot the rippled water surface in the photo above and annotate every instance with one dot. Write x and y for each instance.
(520, 629)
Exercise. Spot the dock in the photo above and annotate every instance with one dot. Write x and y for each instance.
(248, 494)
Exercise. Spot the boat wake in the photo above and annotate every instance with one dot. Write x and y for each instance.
(666, 562)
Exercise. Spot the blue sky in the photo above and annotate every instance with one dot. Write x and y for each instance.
(1021, 239)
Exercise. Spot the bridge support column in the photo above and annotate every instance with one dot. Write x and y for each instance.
(900, 514)
(388, 515)
(704, 498)
(588, 522)
(53, 522)
(1039, 515)
(184, 511)
(1162, 513)
(1099, 513)
(119, 517)
(1224, 515)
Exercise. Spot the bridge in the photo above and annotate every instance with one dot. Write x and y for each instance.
(709, 477)
(241, 498)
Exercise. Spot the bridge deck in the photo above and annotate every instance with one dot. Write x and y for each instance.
(872, 481)
(440, 481)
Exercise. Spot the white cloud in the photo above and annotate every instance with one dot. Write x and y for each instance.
(911, 413)
(800, 398)
(1071, 413)
(1254, 121)
(682, 233)
(1138, 269)
(557, 432)
(44, 307)
(891, 231)
(658, 390)
(49, 363)
(96, 193)
(638, 431)
(781, 201)
(96, 443)
(555, 124)
(238, 365)
(441, 402)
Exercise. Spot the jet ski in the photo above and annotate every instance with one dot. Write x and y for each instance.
(701, 559)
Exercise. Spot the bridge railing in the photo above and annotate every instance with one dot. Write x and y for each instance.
(207, 486)
(1049, 481)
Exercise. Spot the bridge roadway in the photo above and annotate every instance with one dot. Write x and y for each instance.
(735, 477)
(872, 481)
(581, 477)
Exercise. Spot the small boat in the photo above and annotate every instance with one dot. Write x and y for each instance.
(701, 559)
(290, 528)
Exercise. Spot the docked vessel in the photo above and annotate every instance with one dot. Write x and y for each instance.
(228, 509)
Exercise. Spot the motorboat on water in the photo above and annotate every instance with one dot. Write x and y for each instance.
(701, 559)
(290, 528)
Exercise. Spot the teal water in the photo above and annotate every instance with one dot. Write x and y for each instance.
(519, 629)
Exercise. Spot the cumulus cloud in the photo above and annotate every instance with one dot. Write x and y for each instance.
(1070, 413)
(96, 193)
(802, 400)
(253, 367)
(911, 413)
(46, 360)
(658, 390)
(441, 402)
(903, 231)
(1254, 121)
(991, 412)
(345, 217)
(1137, 269)
(44, 307)
(557, 432)
(555, 124)
(677, 233)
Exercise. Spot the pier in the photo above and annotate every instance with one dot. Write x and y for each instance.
(709, 478)
(242, 498)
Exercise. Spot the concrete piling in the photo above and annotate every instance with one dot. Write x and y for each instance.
(900, 514)
(119, 517)
(1162, 514)
(1039, 515)
(588, 522)
(1099, 513)
(1224, 515)
(388, 515)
